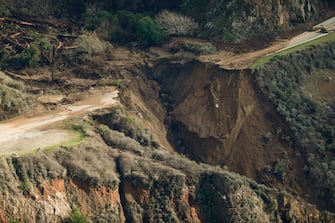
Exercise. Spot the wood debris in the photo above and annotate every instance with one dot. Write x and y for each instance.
(17, 34)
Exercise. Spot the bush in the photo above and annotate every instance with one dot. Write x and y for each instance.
(91, 44)
(148, 32)
(122, 122)
(198, 48)
(123, 27)
(24, 59)
(176, 24)
(127, 19)
(93, 19)
(16, 221)
(12, 102)
(76, 217)
(25, 187)
(281, 166)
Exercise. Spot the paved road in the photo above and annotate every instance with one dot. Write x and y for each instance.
(231, 61)
(303, 38)
(22, 134)
(329, 25)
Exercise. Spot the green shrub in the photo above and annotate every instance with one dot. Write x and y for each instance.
(24, 59)
(45, 45)
(119, 83)
(76, 217)
(127, 20)
(93, 19)
(16, 221)
(280, 167)
(25, 187)
(123, 27)
(148, 32)
(80, 129)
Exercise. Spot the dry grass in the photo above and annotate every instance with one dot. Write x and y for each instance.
(13, 100)
(176, 24)
(91, 44)
(89, 162)
(8, 81)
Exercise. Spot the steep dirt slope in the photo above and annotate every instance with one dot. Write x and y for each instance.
(213, 116)
(217, 117)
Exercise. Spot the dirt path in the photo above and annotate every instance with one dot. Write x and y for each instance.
(25, 134)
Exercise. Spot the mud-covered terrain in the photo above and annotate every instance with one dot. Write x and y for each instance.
(110, 115)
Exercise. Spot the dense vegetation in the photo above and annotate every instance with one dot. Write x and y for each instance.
(311, 121)
(229, 21)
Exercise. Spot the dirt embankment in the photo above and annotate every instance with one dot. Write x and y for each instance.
(216, 116)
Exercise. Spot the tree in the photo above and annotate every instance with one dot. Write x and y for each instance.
(148, 32)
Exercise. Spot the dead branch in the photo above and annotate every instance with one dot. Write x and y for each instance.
(67, 36)
(13, 36)
(12, 42)
(70, 47)
(23, 23)
(17, 21)
(60, 44)
(27, 38)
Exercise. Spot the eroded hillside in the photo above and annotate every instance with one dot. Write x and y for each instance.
(192, 138)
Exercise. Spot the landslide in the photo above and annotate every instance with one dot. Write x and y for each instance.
(127, 169)
(218, 117)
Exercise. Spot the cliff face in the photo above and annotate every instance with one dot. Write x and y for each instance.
(117, 184)
(235, 21)
(229, 20)
(45, 187)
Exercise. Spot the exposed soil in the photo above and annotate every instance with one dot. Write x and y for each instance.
(218, 117)
(22, 134)
(208, 109)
